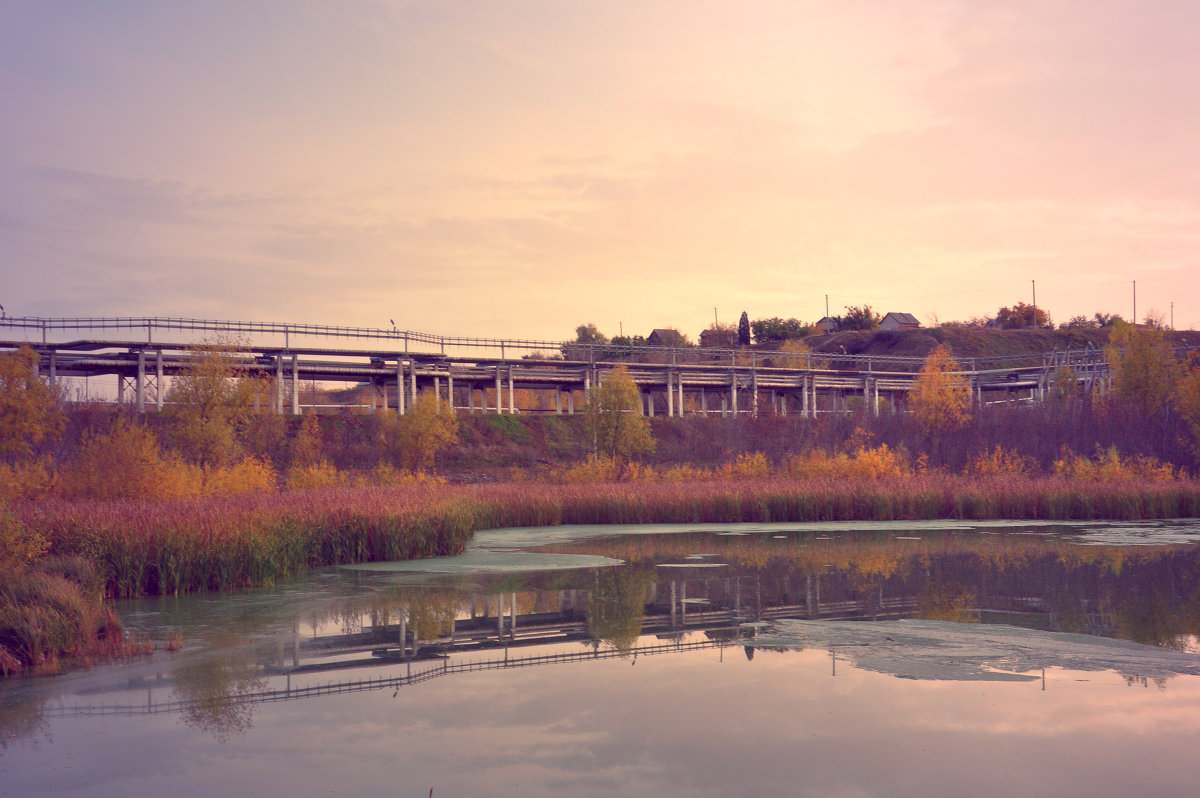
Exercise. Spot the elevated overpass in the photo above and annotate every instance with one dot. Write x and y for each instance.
(476, 375)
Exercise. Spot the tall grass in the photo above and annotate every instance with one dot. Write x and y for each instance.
(220, 543)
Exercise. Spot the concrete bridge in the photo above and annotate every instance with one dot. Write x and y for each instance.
(507, 376)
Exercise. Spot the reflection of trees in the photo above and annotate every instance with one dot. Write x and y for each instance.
(947, 602)
(1145, 594)
(20, 716)
(215, 688)
(617, 605)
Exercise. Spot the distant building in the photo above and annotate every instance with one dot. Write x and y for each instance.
(899, 321)
(829, 324)
(665, 337)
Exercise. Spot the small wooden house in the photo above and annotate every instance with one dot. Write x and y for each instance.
(899, 321)
(829, 324)
(665, 337)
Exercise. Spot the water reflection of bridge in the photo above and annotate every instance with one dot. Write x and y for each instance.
(722, 602)
(418, 669)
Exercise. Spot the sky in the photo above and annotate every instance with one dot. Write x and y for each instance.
(515, 169)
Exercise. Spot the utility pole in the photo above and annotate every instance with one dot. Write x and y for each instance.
(827, 306)
(1035, 320)
(1134, 319)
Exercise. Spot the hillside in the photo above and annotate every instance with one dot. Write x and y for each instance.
(964, 342)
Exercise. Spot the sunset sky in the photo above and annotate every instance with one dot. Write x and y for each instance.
(516, 168)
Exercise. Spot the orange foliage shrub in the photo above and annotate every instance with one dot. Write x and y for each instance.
(20, 546)
(1001, 462)
(1107, 466)
(127, 462)
(879, 461)
(28, 479)
(248, 475)
(592, 470)
(871, 462)
(316, 475)
(750, 465)
(685, 473)
(386, 474)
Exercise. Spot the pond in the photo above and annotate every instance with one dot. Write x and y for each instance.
(856, 659)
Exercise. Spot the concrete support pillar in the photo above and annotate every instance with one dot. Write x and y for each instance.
(670, 397)
(571, 403)
(499, 393)
(512, 393)
(53, 369)
(295, 385)
(159, 393)
(650, 403)
(875, 386)
(400, 386)
(140, 385)
(450, 390)
(512, 625)
(372, 389)
(681, 395)
(703, 403)
(437, 393)
(557, 400)
(277, 403)
(500, 615)
(414, 382)
(733, 399)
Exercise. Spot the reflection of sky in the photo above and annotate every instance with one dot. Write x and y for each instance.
(699, 723)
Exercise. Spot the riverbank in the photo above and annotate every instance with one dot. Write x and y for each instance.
(141, 547)
(222, 543)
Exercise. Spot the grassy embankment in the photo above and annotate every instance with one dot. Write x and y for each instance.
(130, 548)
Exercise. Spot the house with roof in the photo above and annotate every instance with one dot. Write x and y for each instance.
(665, 337)
(899, 321)
(828, 324)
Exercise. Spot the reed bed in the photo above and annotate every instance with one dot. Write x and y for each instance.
(168, 547)
(221, 543)
(929, 496)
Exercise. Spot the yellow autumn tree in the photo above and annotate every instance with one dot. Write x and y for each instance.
(940, 397)
(428, 428)
(1144, 367)
(615, 422)
(29, 411)
(209, 400)
(1186, 398)
(127, 461)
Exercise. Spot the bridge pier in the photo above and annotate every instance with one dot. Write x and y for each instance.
(295, 385)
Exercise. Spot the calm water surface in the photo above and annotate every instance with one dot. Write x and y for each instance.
(843, 659)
